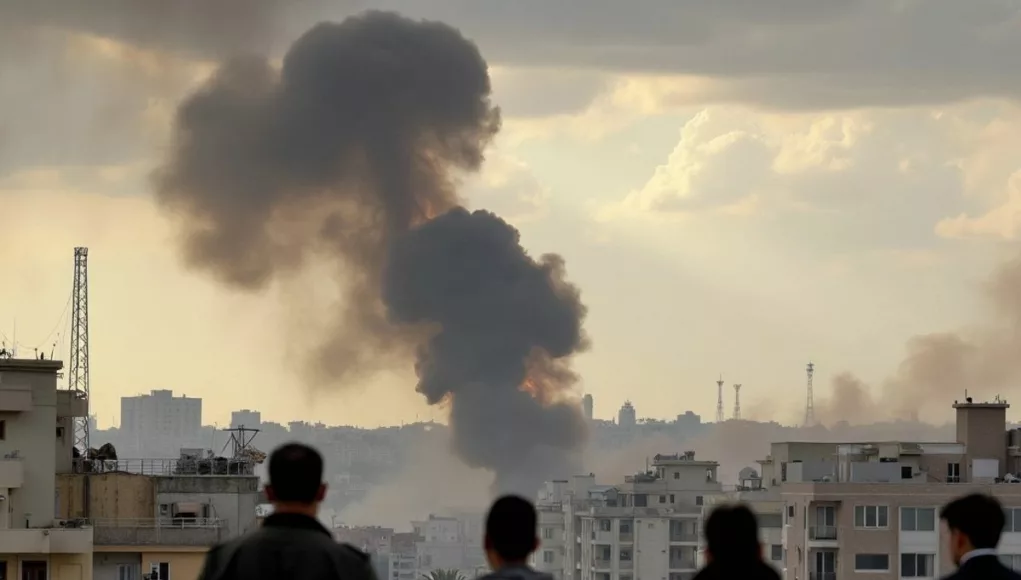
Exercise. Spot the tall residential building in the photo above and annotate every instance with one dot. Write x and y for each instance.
(37, 443)
(627, 417)
(161, 415)
(164, 523)
(646, 527)
(872, 507)
(245, 418)
(587, 406)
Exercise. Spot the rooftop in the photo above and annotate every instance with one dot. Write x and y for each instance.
(30, 365)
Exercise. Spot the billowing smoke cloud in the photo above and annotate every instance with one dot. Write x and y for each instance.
(352, 151)
(939, 367)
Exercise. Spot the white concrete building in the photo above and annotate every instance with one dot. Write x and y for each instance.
(647, 527)
(161, 415)
(36, 443)
(245, 418)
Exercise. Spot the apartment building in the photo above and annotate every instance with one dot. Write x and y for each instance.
(161, 416)
(36, 442)
(647, 527)
(164, 523)
(245, 418)
(451, 542)
(871, 508)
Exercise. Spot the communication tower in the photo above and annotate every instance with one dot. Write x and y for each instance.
(719, 400)
(737, 402)
(78, 381)
(809, 402)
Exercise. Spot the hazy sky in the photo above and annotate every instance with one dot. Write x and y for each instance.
(736, 187)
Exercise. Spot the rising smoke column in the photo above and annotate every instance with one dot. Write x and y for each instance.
(506, 324)
(351, 150)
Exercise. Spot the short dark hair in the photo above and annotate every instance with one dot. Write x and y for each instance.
(295, 473)
(511, 528)
(732, 534)
(978, 516)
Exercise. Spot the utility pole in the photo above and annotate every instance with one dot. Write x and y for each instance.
(78, 383)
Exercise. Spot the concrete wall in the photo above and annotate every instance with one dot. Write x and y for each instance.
(111, 496)
(232, 499)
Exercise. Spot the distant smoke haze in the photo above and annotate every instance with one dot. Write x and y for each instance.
(351, 150)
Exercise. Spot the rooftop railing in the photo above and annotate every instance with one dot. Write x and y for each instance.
(162, 522)
(167, 467)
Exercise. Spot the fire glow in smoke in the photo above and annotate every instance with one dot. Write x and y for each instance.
(353, 147)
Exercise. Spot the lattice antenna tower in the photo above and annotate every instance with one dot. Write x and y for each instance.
(78, 382)
(809, 402)
(719, 400)
(737, 402)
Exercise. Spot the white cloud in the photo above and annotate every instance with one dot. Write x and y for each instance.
(507, 187)
(1001, 222)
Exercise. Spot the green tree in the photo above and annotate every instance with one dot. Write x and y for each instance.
(443, 575)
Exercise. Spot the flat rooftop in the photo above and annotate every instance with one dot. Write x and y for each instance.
(30, 365)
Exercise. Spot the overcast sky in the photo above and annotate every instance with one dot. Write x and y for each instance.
(737, 187)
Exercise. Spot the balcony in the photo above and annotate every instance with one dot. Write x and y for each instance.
(55, 540)
(626, 537)
(683, 564)
(683, 536)
(824, 533)
(158, 531)
(602, 564)
(822, 576)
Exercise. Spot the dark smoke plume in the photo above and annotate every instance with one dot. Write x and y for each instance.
(352, 150)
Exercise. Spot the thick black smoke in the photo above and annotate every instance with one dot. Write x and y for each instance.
(352, 150)
(505, 322)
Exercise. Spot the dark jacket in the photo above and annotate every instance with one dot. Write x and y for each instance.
(287, 546)
(516, 573)
(984, 568)
(755, 570)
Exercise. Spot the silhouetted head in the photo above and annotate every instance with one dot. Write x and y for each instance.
(510, 532)
(973, 522)
(732, 536)
(296, 479)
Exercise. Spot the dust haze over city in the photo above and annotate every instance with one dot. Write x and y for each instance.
(466, 248)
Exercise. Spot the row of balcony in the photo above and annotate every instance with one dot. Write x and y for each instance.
(675, 564)
(675, 536)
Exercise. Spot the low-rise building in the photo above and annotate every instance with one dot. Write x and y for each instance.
(164, 523)
(872, 507)
(36, 442)
(451, 542)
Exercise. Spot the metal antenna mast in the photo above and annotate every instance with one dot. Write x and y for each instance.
(78, 382)
(737, 402)
(719, 400)
(810, 403)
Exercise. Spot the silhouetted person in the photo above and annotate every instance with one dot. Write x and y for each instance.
(511, 537)
(732, 549)
(291, 544)
(974, 524)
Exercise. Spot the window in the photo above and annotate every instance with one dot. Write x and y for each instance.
(672, 500)
(547, 533)
(547, 556)
(871, 562)
(641, 500)
(1012, 520)
(709, 476)
(917, 565)
(771, 521)
(625, 554)
(871, 516)
(625, 526)
(605, 525)
(918, 519)
(3, 430)
(776, 552)
(905, 472)
(604, 553)
(677, 475)
(953, 472)
(698, 500)
(790, 513)
(626, 577)
(662, 499)
(127, 572)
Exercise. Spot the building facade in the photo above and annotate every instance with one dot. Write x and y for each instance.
(871, 508)
(36, 443)
(245, 418)
(450, 543)
(161, 415)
